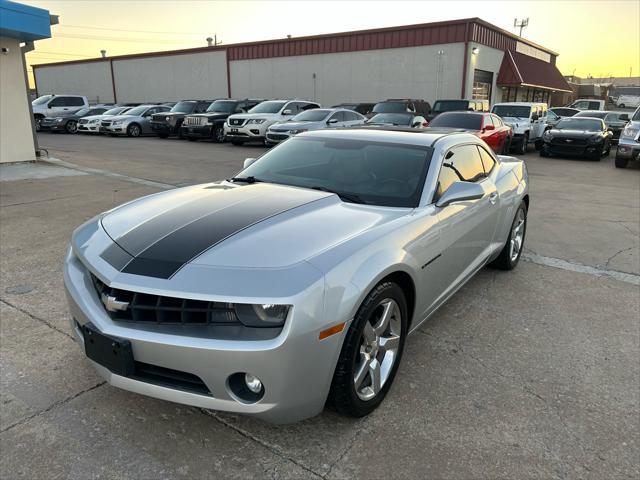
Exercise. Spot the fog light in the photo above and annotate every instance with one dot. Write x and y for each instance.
(253, 383)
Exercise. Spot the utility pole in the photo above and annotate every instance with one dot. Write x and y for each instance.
(523, 23)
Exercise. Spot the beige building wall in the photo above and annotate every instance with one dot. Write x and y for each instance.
(16, 131)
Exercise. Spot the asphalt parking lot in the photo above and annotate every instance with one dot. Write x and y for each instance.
(526, 374)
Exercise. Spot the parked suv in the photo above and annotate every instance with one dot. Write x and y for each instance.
(629, 144)
(50, 105)
(458, 106)
(210, 124)
(169, 123)
(528, 121)
(252, 126)
(402, 105)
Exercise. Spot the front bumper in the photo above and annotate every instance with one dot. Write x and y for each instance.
(246, 133)
(275, 137)
(164, 128)
(628, 149)
(196, 131)
(578, 150)
(295, 367)
(89, 127)
(52, 127)
(114, 129)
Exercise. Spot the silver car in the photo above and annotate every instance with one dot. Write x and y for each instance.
(296, 282)
(134, 122)
(315, 119)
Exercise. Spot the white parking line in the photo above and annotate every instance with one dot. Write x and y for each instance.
(580, 268)
(106, 173)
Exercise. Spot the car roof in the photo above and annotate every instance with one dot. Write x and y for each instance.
(402, 135)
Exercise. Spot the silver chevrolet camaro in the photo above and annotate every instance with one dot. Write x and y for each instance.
(295, 283)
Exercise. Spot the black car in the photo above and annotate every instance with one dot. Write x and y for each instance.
(361, 108)
(586, 137)
(456, 105)
(169, 123)
(210, 124)
(402, 105)
(615, 121)
(69, 122)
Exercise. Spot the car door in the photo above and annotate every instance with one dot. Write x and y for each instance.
(145, 121)
(60, 104)
(467, 228)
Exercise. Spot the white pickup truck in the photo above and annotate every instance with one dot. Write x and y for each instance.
(52, 105)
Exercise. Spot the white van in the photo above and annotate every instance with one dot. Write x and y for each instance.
(628, 101)
(587, 104)
(527, 119)
(51, 105)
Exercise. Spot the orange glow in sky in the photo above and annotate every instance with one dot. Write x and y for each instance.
(597, 38)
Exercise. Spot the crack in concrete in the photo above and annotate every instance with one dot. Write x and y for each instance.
(248, 435)
(51, 407)
(38, 319)
(350, 445)
(606, 265)
(39, 201)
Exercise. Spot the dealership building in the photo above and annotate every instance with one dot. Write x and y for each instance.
(467, 58)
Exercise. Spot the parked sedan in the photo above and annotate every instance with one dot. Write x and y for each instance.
(134, 122)
(296, 282)
(68, 122)
(315, 119)
(91, 123)
(586, 137)
(486, 126)
(398, 119)
(615, 121)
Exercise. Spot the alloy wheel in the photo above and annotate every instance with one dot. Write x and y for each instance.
(378, 350)
(517, 236)
(72, 127)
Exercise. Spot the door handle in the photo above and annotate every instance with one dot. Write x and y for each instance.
(493, 198)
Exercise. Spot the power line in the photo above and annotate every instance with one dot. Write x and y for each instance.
(90, 27)
(119, 39)
(33, 52)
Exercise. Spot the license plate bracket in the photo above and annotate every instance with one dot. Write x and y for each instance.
(112, 353)
(234, 130)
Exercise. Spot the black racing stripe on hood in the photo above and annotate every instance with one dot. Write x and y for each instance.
(169, 249)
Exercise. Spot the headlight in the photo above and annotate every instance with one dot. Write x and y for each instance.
(630, 132)
(257, 120)
(295, 132)
(117, 122)
(166, 119)
(595, 139)
(94, 121)
(266, 315)
(547, 135)
(59, 120)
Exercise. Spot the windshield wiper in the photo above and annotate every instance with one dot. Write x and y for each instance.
(249, 179)
(349, 197)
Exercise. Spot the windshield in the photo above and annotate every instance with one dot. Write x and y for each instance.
(311, 116)
(222, 106)
(469, 121)
(42, 99)
(592, 114)
(115, 111)
(390, 107)
(450, 105)
(574, 123)
(636, 116)
(392, 118)
(519, 111)
(377, 173)
(267, 107)
(183, 107)
(136, 111)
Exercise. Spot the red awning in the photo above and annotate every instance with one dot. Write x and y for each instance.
(519, 70)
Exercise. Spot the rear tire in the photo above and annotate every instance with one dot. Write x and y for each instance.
(512, 250)
(621, 162)
(371, 352)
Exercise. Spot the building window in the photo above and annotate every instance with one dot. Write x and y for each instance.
(482, 83)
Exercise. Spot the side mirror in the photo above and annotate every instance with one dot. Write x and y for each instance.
(332, 121)
(287, 112)
(489, 127)
(460, 192)
(416, 124)
(534, 117)
(50, 105)
(248, 162)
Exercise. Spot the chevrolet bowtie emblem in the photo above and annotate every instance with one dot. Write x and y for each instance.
(112, 304)
(569, 140)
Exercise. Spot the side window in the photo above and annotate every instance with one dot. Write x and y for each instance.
(241, 107)
(308, 106)
(293, 106)
(461, 164)
(200, 107)
(151, 111)
(594, 105)
(74, 101)
(59, 102)
(497, 121)
(350, 116)
(487, 160)
(486, 120)
(339, 116)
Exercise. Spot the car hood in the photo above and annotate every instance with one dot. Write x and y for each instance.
(573, 133)
(124, 117)
(245, 116)
(284, 126)
(225, 225)
(97, 117)
(513, 120)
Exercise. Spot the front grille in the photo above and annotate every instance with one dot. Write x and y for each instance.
(156, 309)
(277, 136)
(569, 141)
(567, 149)
(236, 122)
(158, 118)
(195, 121)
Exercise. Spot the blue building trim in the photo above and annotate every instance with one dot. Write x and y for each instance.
(23, 22)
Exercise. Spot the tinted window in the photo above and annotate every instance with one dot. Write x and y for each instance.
(350, 116)
(75, 101)
(594, 105)
(66, 102)
(378, 173)
(390, 107)
(307, 106)
(450, 105)
(392, 119)
(97, 111)
(183, 107)
(487, 160)
(222, 106)
(518, 111)
(339, 116)
(461, 164)
(564, 112)
(457, 120)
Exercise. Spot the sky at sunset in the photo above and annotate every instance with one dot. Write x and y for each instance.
(598, 38)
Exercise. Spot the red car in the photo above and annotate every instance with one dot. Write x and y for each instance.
(487, 126)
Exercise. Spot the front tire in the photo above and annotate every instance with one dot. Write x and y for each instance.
(71, 126)
(218, 134)
(371, 352)
(512, 250)
(133, 130)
